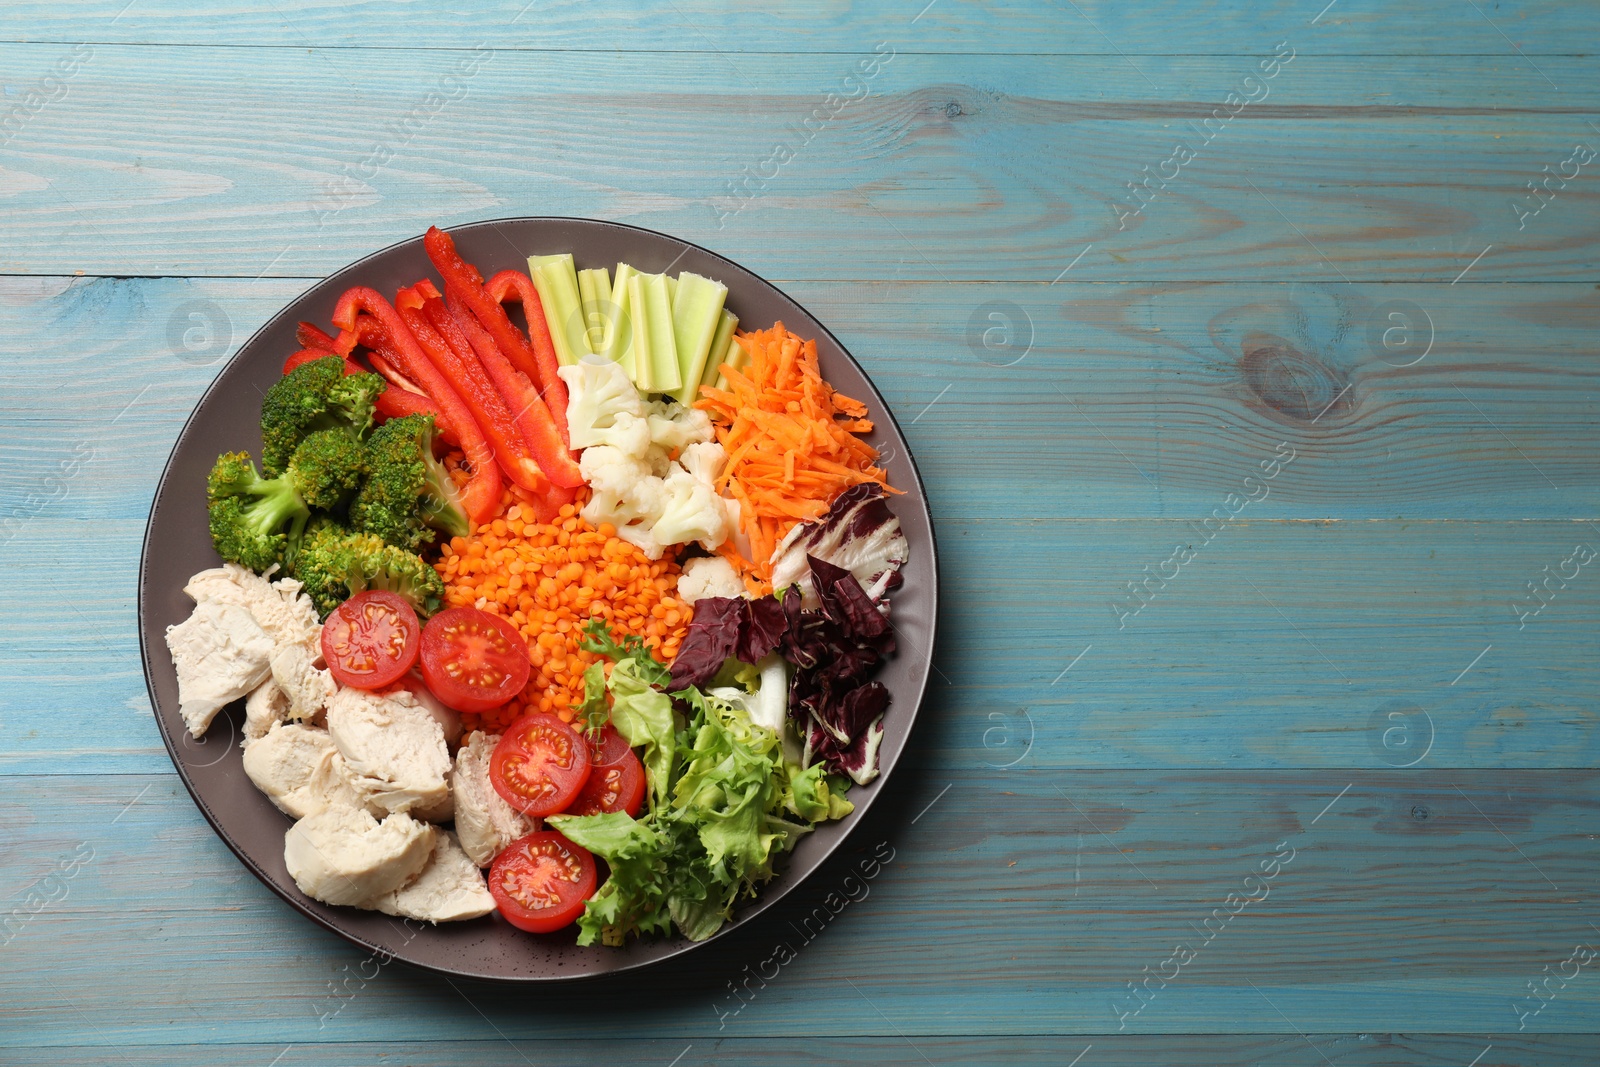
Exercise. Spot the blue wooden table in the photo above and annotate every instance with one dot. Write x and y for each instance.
(1249, 355)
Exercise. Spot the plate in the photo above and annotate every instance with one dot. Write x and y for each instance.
(176, 545)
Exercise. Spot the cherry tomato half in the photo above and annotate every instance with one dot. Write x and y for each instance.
(539, 765)
(540, 882)
(473, 661)
(609, 747)
(371, 639)
(615, 786)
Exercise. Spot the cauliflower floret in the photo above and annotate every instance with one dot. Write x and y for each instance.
(704, 460)
(599, 393)
(708, 576)
(674, 426)
(625, 494)
(691, 511)
(651, 500)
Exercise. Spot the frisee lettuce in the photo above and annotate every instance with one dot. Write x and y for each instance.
(725, 802)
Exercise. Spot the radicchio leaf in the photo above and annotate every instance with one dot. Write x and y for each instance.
(713, 632)
(858, 532)
(722, 627)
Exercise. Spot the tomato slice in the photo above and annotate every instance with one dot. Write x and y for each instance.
(473, 661)
(540, 882)
(371, 639)
(614, 786)
(539, 765)
(608, 748)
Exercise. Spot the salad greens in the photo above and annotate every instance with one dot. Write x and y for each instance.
(725, 800)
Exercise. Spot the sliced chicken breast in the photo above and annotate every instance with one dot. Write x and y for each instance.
(266, 704)
(300, 771)
(286, 614)
(308, 687)
(345, 856)
(449, 889)
(394, 748)
(486, 823)
(221, 654)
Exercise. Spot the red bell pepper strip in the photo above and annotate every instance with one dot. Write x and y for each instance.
(460, 368)
(462, 281)
(398, 401)
(522, 402)
(308, 355)
(515, 285)
(394, 342)
(310, 335)
(547, 495)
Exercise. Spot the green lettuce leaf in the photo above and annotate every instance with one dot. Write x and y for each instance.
(725, 801)
(643, 715)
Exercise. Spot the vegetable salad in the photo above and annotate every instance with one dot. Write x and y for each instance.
(640, 559)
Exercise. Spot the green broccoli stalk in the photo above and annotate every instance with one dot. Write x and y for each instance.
(254, 521)
(315, 396)
(334, 564)
(408, 493)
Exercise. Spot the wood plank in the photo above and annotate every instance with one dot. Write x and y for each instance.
(1426, 902)
(1534, 27)
(1275, 647)
(1100, 401)
(1023, 1050)
(1281, 644)
(938, 163)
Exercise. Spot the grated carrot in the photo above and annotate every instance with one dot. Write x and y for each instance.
(791, 443)
(548, 579)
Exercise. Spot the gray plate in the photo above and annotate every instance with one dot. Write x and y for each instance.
(176, 545)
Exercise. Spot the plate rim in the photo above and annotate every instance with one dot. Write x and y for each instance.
(746, 912)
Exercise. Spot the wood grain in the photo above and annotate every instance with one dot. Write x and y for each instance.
(943, 168)
(1024, 1050)
(1295, 628)
(1114, 401)
(1086, 878)
(1539, 27)
(1348, 664)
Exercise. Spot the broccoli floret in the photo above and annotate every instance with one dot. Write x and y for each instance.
(314, 396)
(335, 563)
(408, 493)
(255, 521)
(327, 467)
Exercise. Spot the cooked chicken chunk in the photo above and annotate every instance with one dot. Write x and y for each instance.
(450, 888)
(486, 823)
(395, 750)
(449, 719)
(266, 704)
(300, 771)
(308, 687)
(279, 607)
(345, 856)
(221, 654)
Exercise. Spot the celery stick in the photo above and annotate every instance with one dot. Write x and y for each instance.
(696, 316)
(672, 289)
(719, 350)
(594, 290)
(619, 333)
(557, 283)
(738, 358)
(655, 353)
